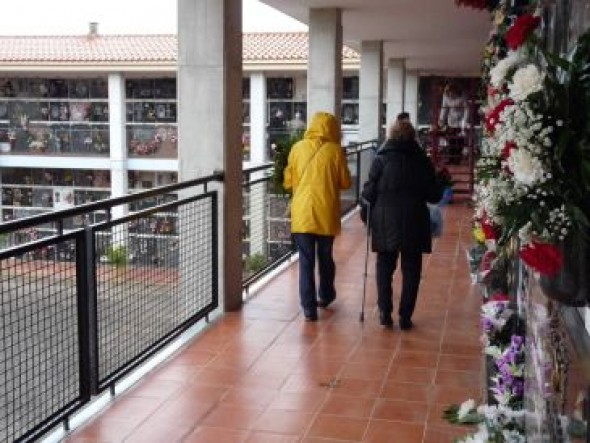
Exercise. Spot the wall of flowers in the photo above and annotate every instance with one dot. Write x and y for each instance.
(531, 224)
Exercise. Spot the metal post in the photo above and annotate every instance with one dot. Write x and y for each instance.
(87, 326)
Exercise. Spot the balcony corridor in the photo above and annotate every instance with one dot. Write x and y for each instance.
(264, 375)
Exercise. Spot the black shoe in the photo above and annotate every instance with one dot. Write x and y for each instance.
(385, 320)
(324, 304)
(405, 324)
(310, 316)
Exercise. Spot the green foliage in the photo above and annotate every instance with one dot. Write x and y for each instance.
(117, 256)
(254, 263)
(450, 414)
(281, 157)
(3, 241)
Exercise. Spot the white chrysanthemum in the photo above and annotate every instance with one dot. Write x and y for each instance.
(526, 81)
(466, 407)
(513, 436)
(498, 72)
(527, 169)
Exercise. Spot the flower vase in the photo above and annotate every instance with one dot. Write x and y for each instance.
(570, 286)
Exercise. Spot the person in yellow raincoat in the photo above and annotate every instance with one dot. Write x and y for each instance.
(316, 172)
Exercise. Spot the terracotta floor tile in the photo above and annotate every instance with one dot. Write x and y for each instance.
(445, 434)
(152, 387)
(264, 375)
(307, 402)
(416, 359)
(204, 434)
(411, 344)
(232, 417)
(395, 390)
(157, 432)
(410, 374)
(393, 410)
(266, 437)
(104, 430)
(461, 363)
(365, 370)
(249, 397)
(383, 431)
(217, 376)
(454, 394)
(348, 406)
(343, 428)
(355, 387)
(457, 378)
(280, 421)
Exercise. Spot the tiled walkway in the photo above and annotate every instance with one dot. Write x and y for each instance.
(264, 375)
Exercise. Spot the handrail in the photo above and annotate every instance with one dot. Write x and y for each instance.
(35, 220)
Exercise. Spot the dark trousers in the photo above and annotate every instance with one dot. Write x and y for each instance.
(455, 148)
(411, 263)
(310, 245)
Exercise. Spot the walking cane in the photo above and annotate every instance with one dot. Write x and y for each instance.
(362, 315)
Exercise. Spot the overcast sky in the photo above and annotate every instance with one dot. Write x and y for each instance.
(71, 17)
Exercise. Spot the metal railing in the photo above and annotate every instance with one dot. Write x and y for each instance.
(83, 304)
(81, 309)
(266, 239)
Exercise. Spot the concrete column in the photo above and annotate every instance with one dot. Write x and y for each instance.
(370, 96)
(411, 96)
(118, 141)
(258, 154)
(258, 151)
(210, 120)
(396, 89)
(324, 71)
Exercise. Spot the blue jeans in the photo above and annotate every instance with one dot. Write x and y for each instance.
(308, 245)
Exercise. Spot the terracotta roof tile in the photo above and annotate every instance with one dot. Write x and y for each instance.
(138, 49)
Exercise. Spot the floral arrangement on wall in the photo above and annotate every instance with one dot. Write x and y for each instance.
(534, 171)
(531, 195)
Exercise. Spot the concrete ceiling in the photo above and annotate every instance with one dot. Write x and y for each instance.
(434, 36)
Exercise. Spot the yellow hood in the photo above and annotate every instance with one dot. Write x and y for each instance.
(323, 127)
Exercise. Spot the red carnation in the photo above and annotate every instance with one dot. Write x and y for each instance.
(477, 4)
(494, 116)
(544, 258)
(500, 296)
(520, 30)
(489, 230)
(508, 147)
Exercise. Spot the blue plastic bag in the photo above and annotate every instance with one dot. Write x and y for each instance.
(436, 220)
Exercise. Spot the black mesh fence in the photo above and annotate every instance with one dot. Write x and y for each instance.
(266, 228)
(155, 272)
(39, 343)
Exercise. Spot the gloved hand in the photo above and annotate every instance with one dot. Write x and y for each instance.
(363, 212)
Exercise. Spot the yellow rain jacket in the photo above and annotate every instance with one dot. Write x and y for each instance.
(316, 172)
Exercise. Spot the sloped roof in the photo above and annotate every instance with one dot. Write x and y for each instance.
(146, 49)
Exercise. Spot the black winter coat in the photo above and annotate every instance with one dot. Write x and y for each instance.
(401, 182)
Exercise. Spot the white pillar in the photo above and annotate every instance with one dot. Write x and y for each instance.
(210, 120)
(411, 96)
(370, 91)
(396, 86)
(370, 96)
(118, 141)
(258, 154)
(324, 71)
(258, 151)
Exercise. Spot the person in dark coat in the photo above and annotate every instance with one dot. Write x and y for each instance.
(401, 181)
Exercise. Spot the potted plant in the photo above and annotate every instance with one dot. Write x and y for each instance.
(282, 148)
(117, 256)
